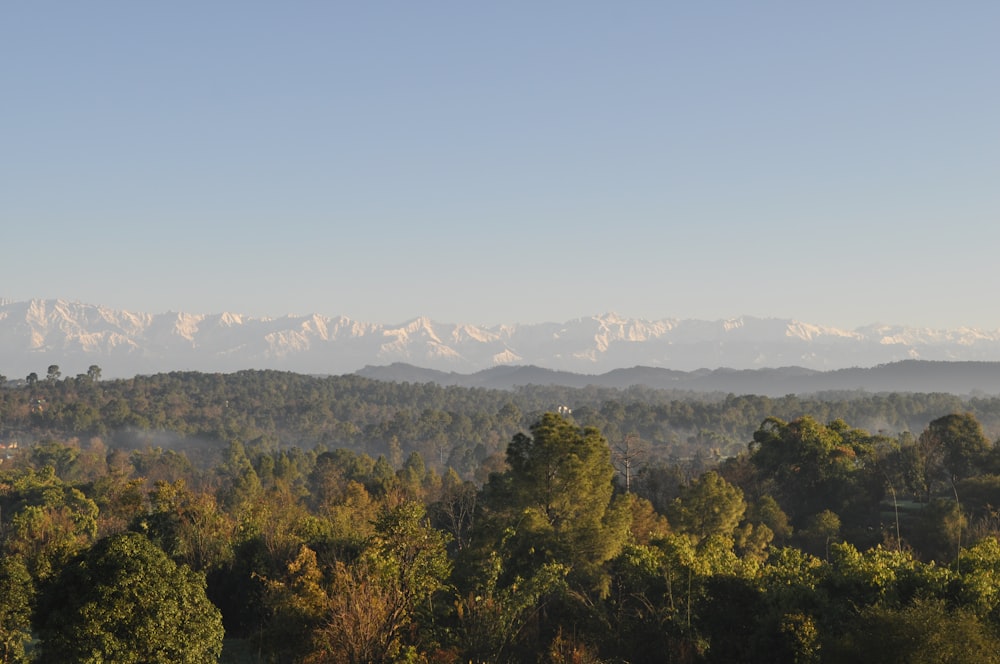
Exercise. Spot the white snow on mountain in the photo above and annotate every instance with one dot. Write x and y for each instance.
(37, 333)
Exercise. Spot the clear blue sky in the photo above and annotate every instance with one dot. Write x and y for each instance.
(837, 163)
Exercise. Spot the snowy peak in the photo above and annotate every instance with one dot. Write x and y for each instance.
(37, 333)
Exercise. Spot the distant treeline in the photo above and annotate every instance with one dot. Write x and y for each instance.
(450, 426)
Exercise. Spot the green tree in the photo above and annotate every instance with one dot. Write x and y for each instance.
(979, 582)
(51, 452)
(958, 442)
(49, 520)
(794, 585)
(937, 531)
(125, 601)
(557, 498)
(637, 611)
(924, 632)
(241, 487)
(768, 512)
(815, 467)
(708, 506)
(492, 619)
(819, 532)
(16, 599)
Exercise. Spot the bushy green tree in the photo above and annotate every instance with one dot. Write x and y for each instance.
(125, 601)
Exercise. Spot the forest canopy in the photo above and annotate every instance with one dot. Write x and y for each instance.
(347, 520)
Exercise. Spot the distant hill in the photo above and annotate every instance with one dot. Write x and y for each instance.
(961, 378)
(37, 333)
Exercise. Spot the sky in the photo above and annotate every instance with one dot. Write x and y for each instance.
(506, 162)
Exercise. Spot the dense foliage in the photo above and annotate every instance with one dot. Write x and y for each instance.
(346, 520)
(125, 601)
(449, 426)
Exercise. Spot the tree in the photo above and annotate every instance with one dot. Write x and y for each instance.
(626, 455)
(125, 601)
(296, 605)
(819, 531)
(51, 452)
(926, 631)
(768, 512)
(455, 510)
(241, 487)
(637, 612)
(94, 373)
(708, 506)
(646, 523)
(937, 531)
(53, 373)
(493, 619)
(794, 584)
(979, 582)
(363, 618)
(16, 598)
(818, 467)
(959, 444)
(368, 611)
(188, 526)
(382, 478)
(49, 521)
(557, 497)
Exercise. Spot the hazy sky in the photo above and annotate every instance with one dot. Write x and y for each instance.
(489, 162)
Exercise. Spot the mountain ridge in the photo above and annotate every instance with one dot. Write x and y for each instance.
(925, 376)
(37, 333)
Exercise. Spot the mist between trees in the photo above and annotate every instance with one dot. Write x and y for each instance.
(276, 517)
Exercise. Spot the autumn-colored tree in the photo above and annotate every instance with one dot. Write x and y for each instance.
(363, 611)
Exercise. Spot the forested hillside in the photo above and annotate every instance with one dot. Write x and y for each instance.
(343, 519)
(449, 426)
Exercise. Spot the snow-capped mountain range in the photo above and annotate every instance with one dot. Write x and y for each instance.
(37, 333)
